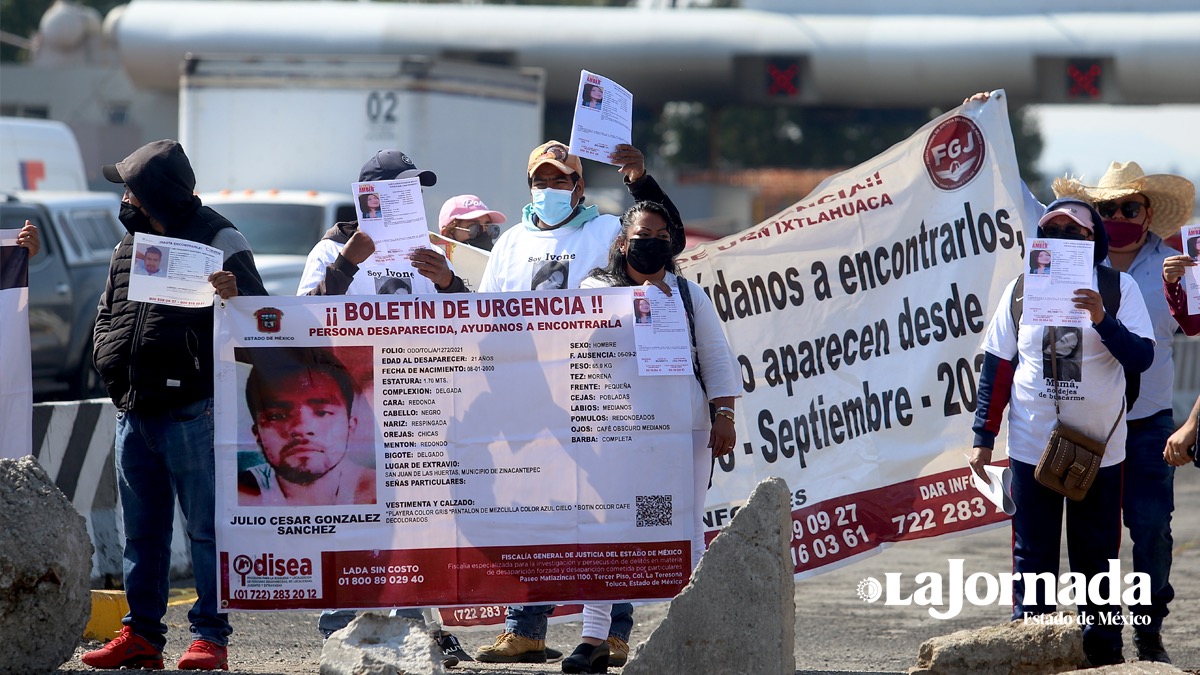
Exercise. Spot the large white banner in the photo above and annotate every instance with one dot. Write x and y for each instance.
(856, 315)
(16, 384)
(446, 450)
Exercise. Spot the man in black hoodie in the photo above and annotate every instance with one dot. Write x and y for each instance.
(157, 365)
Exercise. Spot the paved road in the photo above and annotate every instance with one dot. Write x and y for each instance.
(835, 631)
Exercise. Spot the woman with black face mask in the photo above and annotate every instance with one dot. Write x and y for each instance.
(642, 255)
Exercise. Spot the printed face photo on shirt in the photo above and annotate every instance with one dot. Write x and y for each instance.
(392, 286)
(550, 276)
(1067, 350)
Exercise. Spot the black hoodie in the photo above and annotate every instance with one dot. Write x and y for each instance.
(156, 357)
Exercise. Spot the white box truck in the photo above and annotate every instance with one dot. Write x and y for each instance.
(277, 141)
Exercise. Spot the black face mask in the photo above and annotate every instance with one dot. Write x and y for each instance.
(133, 218)
(483, 241)
(648, 256)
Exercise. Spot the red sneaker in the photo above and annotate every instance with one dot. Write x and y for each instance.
(127, 650)
(205, 655)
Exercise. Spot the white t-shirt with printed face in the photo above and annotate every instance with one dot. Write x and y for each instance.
(524, 259)
(1091, 385)
(326, 252)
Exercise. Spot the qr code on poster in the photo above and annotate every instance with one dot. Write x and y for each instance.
(653, 510)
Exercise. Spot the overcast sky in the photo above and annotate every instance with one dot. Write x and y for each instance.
(1085, 139)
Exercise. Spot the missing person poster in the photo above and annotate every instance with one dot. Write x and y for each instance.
(857, 315)
(1190, 236)
(603, 118)
(16, 383)
(392, 213)
(446, 450)
(1057, 268)
(169, 271)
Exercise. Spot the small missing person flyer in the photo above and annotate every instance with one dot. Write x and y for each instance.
(1190, 236)
(1055, 269)
(603, 118)
(392, 213)
(170, 271)
(660, 333)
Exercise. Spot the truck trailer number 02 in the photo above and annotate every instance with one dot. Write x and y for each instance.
(381, 106)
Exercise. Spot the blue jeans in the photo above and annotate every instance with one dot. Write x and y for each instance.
(1148, 502)
(160, 457)
(333, 620)
(1093, 538)
(529, 621)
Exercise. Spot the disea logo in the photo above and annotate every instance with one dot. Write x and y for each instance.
(267, 565)
(954, 153)
(981, 589)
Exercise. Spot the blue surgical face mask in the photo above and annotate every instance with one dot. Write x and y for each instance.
(552, 206)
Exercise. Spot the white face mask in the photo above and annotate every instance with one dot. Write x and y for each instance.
(552, 206)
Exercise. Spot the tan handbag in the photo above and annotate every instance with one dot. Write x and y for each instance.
(1071, 461)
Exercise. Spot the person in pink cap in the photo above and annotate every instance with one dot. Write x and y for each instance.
(467, 219)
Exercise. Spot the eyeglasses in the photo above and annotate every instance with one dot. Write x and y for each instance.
(1072, 231)
(475, 229)
(1127, 209)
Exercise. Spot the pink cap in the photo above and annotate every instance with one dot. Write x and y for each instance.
(466, 207)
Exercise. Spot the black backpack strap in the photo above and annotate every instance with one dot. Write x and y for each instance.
(1108, 281)
(686, 294)
(1016, 305)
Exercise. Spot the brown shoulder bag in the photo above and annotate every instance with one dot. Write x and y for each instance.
(1072, 459)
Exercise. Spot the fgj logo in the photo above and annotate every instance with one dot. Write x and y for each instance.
(954, 153)
(267, 565)
(982, 589)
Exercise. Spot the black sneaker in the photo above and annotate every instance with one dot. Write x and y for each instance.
(587, 659)
(452, 649)
(553, 655)
(1150, 647)
(1100, 654)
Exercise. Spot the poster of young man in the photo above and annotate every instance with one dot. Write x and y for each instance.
(446, 451)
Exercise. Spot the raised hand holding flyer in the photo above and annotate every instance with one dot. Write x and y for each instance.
(392, 212)
(172, 271)
(1056, 269)
(1191, 280)
(603, 118)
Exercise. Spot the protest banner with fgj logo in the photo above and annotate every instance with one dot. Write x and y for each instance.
(856, 316)
(447, 451)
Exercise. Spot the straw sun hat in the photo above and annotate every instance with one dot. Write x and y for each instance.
(1171, 197)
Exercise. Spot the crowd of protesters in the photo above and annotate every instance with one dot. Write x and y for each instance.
(156, 363)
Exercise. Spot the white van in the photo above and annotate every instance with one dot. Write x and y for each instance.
(282, 226)
(39, 155)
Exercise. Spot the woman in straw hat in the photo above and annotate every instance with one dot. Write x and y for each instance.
(1139, 211)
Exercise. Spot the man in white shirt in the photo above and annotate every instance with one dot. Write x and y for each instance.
(558, 242)
(1140, 211)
